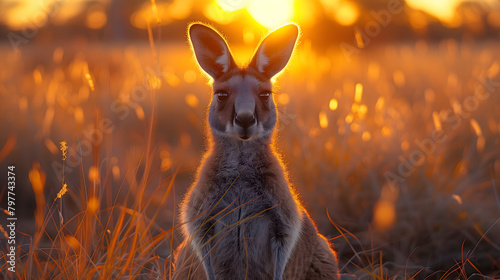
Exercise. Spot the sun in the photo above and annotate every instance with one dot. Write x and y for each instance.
(271, 13)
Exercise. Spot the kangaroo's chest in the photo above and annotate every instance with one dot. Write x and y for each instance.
(243, 223)
(243, 200)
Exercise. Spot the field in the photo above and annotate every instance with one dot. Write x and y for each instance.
(396, 154)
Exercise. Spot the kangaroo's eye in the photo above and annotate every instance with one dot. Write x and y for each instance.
(222, 96)
(264, 96)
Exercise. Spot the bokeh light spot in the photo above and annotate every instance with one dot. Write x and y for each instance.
(94, 173)
(96, 19)
(323, 120)
(334, 104)
(190, 76)
(191, 100)
(283, 99)
(347, 14)
(366, 136)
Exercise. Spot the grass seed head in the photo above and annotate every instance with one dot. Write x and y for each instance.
(64, 149)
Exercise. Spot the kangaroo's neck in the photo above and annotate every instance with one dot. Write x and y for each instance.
(243, 153)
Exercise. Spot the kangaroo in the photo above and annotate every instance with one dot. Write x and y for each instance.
(241, 218)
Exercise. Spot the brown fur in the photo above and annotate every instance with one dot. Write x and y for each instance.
(312, 259)
(241, 217)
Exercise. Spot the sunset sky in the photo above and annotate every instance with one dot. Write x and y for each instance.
(17, 14)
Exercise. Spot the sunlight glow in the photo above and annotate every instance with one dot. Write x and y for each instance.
(271, 13)
(216, 13)
(231, 5)
(248, 36)
(160, 13)
(444, 9)
(27, 12)
(62, 12)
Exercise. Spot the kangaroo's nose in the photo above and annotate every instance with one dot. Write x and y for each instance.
(245, 119)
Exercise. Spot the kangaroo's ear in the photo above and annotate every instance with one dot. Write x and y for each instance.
(275, 50)
(210, 49)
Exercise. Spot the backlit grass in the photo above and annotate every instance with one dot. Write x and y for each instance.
(133, 121)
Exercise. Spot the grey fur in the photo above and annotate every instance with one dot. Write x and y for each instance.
(241, 218)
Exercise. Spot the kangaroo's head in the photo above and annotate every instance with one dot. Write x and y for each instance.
(242, 105)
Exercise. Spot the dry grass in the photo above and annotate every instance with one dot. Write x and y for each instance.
(128, 164)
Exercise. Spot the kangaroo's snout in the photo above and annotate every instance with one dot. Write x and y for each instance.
(245, 122)
(245, 119)
(244, 115)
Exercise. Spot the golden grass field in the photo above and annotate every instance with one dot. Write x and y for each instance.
(425, 114)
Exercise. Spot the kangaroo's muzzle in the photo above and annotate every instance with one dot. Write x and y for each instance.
(244, 123)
